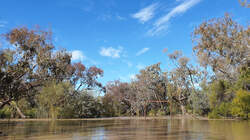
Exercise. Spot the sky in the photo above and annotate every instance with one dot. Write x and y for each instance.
(119, 36)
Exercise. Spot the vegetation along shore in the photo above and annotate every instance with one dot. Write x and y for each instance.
(40, 81)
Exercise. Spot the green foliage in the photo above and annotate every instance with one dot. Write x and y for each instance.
(225, 109)
(241, 104)
(199, 102)
(86, 106)
(244, 79)
(5, 112)
(108, 106)
(218, 93)
(50, 98)
(31, 113)
(27, 109)
(214, 114)
(152, 113)
(161, 112)
(155, 112)
(81, 105)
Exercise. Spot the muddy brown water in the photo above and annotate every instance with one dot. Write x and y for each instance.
(168, 129)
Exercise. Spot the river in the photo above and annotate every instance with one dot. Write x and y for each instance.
(124, 129)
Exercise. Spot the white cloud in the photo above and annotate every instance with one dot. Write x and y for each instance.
(162, 23)
(78, 55)
(182, 8)
(111, 52)
(142, 51)
(146, 13)
(156, 30)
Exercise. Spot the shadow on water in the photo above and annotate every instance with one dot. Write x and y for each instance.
(174, 129)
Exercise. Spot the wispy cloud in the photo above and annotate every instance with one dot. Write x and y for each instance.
(146, 13)
(182, 8)
(78, 55)
(142, 51)
(162, 23)
(111, 52)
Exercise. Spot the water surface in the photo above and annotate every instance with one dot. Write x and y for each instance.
(170, 129)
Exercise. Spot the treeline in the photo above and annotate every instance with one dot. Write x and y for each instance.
(38, 81)
(217, 87)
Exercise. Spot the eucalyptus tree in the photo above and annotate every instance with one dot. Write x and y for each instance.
(83, 78)
(150, 84)
(222, 45)
(183, 80)
(120, 97)
(27, 63)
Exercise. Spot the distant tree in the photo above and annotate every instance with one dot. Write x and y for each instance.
(183, 79)
(120, 96)
(85, 105)
(152, 83)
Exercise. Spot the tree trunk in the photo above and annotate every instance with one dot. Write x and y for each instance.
(18, 110)
(20, 113)
(183, 110)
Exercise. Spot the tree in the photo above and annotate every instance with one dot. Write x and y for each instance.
(119, 93)
(182, 80)
(30, 60)
(151, 85)
(222, 45)
(26, 66)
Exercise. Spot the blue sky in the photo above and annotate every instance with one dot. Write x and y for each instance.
(119, 36)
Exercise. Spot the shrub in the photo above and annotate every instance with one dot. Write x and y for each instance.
(161, 113)
(241, 104)
(225, 109)
(31, 113)
(214, 114)
(152, 113)
(5, 112)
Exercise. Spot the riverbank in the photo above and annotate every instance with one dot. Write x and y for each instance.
(128, 118)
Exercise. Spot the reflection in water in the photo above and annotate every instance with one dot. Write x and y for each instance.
(171, 129)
